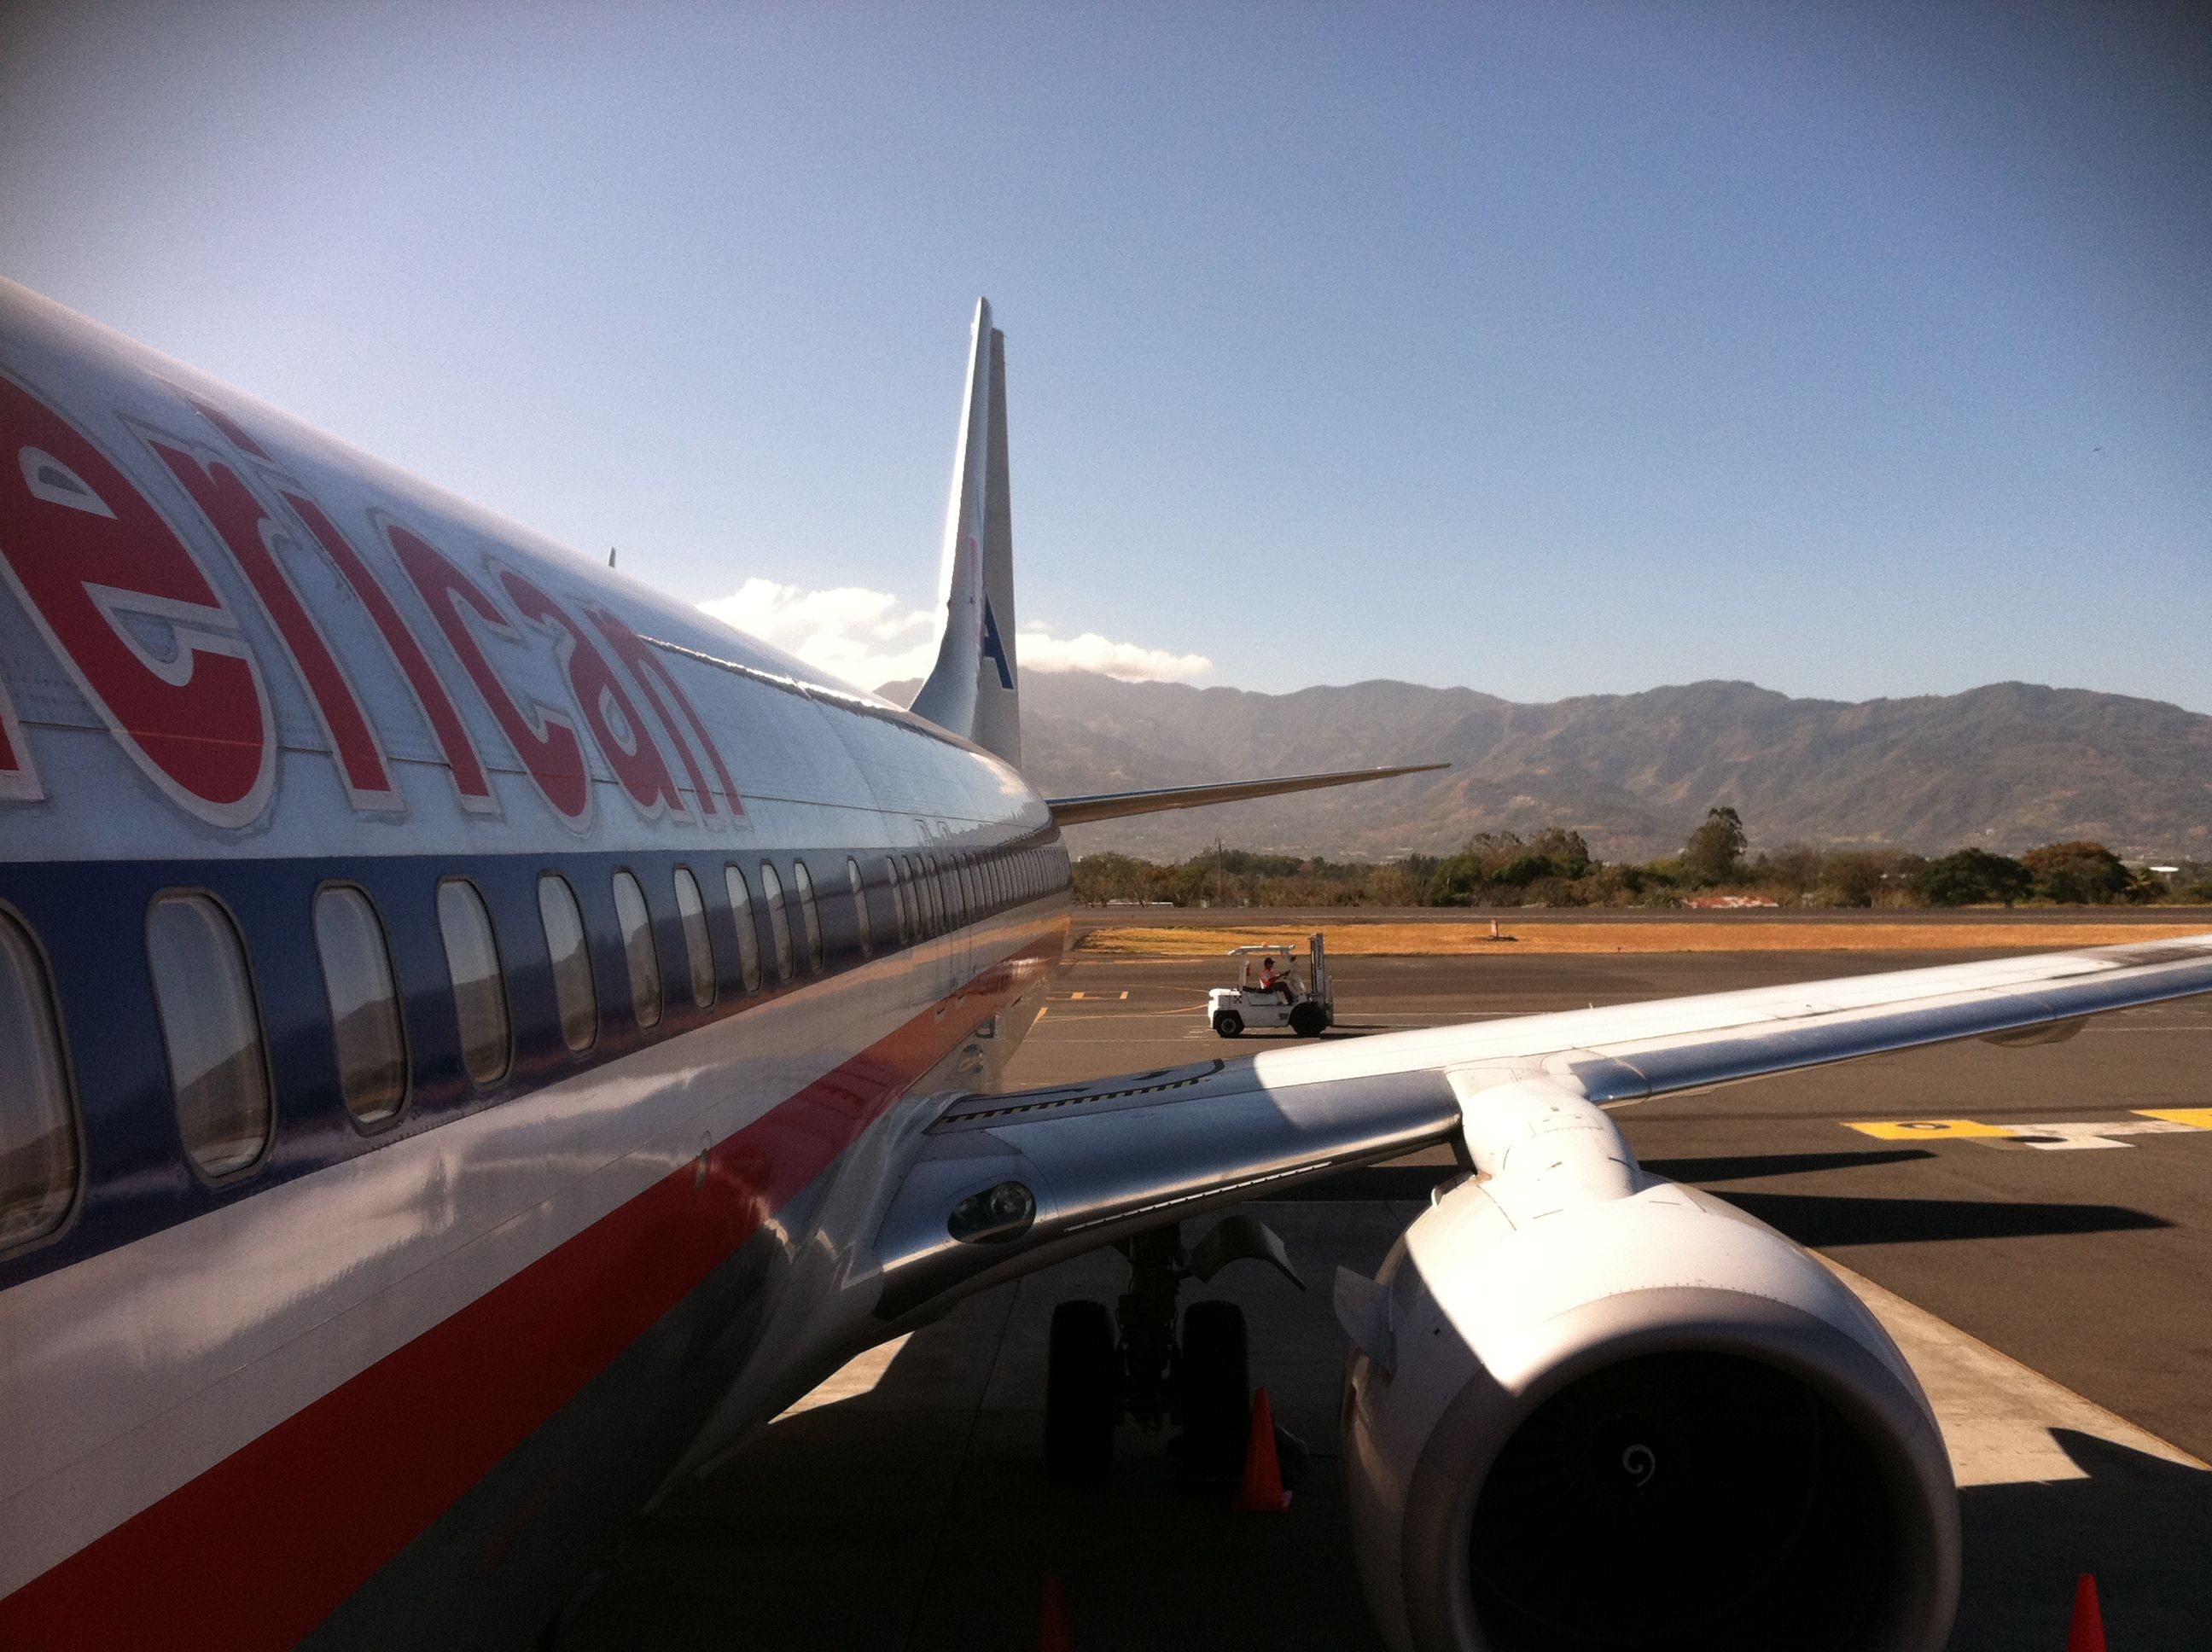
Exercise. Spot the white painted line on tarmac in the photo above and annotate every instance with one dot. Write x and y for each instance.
(1997, 1416)
(2074, 1138)
(857, 1376)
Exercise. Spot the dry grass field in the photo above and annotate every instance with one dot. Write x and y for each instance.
(1352, 939)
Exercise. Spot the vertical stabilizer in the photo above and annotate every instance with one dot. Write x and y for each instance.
(974, 690)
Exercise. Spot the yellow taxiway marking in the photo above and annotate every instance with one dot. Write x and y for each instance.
(1117, 996)
(1920, 1129)
(2198, 1118)
(2050, 1137)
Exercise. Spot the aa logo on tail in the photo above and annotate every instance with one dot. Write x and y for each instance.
(995, 650)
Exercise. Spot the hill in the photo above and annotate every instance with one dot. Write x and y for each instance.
(2007, 766)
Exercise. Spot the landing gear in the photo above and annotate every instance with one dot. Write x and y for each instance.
(1199, 1380)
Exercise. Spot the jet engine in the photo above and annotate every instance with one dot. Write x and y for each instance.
(1588, 1408)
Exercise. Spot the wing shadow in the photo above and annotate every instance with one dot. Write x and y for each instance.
(2137, 1523)
(1819, 1220)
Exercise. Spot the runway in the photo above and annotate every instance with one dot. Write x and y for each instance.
(2035, 1239)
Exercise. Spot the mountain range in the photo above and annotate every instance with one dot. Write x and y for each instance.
(2006, 766)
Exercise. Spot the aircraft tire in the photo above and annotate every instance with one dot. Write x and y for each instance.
(1213, 1390)
(1083, 1372)
(1308, 1019)
(1229, 1024)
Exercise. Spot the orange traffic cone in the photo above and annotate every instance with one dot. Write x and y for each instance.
(2088, 1632)
(1262, 1492)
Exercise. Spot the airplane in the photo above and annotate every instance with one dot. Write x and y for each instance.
(483, 1036)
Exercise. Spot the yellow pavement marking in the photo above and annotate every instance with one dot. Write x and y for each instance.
(2199, 1118)
(2042, 1133)
(1920, 1129)
(1117, 996)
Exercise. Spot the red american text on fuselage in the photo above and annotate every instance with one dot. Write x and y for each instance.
(122, 595)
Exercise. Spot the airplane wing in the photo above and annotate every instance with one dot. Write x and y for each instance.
(1111, 805)
(1007, 1183)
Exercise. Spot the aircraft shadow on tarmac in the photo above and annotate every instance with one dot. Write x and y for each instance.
(915, 1514)
(1746, 1166)
(1820, 1220)
(2134, 1523)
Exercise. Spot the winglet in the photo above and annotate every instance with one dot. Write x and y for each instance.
(974, 690)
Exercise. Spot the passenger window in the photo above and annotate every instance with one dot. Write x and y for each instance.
(918, 887)
(779, 920)
(861, 906)
(372, 1052)
(479, 991)
(896, 880)
(698, 949)
(804, 880)
(741, 914)
(575, 996)
(38, 1136)
(212, 1030)
(637, 949)
(948, 889)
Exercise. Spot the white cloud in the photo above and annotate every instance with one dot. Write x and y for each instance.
(1039, 651)
(866, 637)
(870, 637)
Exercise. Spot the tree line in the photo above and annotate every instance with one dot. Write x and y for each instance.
(1554, 868)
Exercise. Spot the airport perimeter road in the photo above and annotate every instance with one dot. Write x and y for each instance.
(2040, 1285)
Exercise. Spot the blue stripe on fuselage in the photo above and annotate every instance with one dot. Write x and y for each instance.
(91, 919)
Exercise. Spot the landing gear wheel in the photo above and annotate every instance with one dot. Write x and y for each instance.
(1213, 1391)
(1308, 1019)
(1083, 1372)
(1229, 1024)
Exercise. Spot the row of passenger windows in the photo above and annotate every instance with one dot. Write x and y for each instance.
(211, 1028)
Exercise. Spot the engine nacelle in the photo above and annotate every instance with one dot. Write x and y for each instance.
(1589, 1409)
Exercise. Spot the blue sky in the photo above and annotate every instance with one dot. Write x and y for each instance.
(1546, 348)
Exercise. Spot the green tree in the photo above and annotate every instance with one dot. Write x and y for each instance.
(1564, 850)
(1972, 877)
(1793, 866)
(2077, 873)
(1867, 878)
(1458, 879)
(1715, 850)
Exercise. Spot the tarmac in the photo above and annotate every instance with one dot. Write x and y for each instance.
(2036, 1242)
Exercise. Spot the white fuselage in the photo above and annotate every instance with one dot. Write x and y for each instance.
(398, 1378)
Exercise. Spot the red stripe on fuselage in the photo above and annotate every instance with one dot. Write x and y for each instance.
(262, 1547)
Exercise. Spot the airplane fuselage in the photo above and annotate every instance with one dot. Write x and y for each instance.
(356, 1304)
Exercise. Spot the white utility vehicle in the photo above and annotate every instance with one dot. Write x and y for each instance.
(1284, 985)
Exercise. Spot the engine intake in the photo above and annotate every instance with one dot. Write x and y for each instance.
(1730, 1498)
(1587, 1409)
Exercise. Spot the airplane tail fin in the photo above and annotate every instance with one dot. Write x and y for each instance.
(973, 690)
